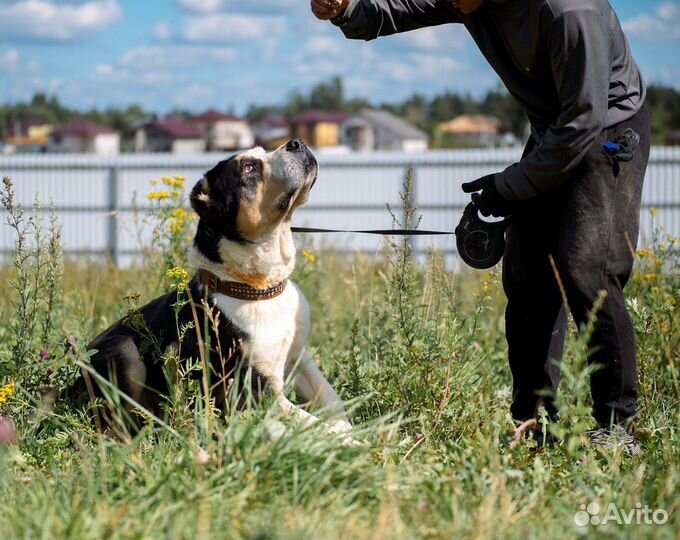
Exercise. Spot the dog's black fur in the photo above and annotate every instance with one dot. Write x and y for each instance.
(153, 328)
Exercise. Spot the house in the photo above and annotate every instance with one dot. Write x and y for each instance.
(29, 136)
(271, 131)
(473, 130)
(318, 129)
(371, 130)
(172, 135)
(223, 132)
(84, 136)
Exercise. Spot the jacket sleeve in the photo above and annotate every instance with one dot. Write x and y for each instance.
(579, 47)
(369, 19)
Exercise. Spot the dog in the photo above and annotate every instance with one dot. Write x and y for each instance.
(244, 254)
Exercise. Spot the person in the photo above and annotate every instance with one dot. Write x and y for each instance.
(574, 201)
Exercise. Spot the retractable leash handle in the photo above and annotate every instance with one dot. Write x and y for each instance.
(480, 243)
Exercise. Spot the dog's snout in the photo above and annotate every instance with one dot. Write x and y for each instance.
(295, 145)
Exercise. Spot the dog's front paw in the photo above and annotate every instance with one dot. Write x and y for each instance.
(340, 427)
(343, 430)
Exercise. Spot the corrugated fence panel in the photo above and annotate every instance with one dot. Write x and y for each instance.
(102, 206)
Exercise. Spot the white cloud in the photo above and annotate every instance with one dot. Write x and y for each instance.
(51, 21)
(155, 57)
(9, 59)
(225, 28)
(257, 6)
(104, 69)
(195, 95)
(325, 55)
(437, 38)
(162, 31)
(420, 67)
(201, 6)
(663, 24)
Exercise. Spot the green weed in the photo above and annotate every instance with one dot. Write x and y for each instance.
(418, 354)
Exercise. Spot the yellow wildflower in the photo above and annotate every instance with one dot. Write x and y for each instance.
(650, 276)
(309, 256)
(159, 195)
(154, 182)
(176, 181)
(176, 193)
(176, 225)
(179, 213)
(654, 211)
(646, 252)
(178, 276)
(6, 392)
(655, 289)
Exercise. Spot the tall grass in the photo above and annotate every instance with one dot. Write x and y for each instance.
(418, 354)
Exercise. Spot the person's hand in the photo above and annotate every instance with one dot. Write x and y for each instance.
(490, 202)
(328, 9)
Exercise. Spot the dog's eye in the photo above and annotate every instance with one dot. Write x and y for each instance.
(248, 167)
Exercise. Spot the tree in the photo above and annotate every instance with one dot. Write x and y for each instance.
(507, 109)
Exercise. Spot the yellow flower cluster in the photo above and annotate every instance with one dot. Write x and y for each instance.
(178, 276)
(159, 195)
(6, 392)
(179, 219)
(309, 256)
(174, 181)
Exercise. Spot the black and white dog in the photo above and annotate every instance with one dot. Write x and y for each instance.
(244, 253)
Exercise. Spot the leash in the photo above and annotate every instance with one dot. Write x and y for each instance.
(382, 232)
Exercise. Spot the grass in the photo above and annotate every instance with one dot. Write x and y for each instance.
(418, 354)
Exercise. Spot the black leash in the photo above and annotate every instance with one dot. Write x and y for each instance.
(383, 232)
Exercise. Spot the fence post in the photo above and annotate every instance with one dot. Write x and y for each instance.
(112, 232)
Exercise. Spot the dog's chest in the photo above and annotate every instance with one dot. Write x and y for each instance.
(277, 329)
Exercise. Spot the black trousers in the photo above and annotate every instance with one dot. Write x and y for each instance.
(589, 227)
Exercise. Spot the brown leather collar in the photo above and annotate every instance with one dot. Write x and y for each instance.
(235, 289)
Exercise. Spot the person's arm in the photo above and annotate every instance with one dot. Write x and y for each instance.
(579, 48)
(369, 19)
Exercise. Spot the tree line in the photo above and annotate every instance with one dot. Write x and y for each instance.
(420, 110)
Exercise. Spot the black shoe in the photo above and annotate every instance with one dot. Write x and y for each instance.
(536, 432)
(544, 439)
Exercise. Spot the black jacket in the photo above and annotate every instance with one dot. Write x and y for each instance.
(567, 62)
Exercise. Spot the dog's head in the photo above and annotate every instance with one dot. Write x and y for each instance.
(245, 197)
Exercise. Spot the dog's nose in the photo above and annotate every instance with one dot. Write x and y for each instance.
(295, 145)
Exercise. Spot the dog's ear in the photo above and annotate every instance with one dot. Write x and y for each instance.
(200, 199)
(216, 195)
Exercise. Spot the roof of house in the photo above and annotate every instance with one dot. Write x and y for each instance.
(392, 123)
(273, 120)
(176, 129)
(315, 117)
(472, 124)
(213, 116)
(81, 128)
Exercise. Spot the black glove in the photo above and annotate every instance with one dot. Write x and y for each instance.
(490, 202)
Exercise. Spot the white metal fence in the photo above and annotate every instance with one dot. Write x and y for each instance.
(96, 198)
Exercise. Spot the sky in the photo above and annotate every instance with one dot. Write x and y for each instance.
(227, 54)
